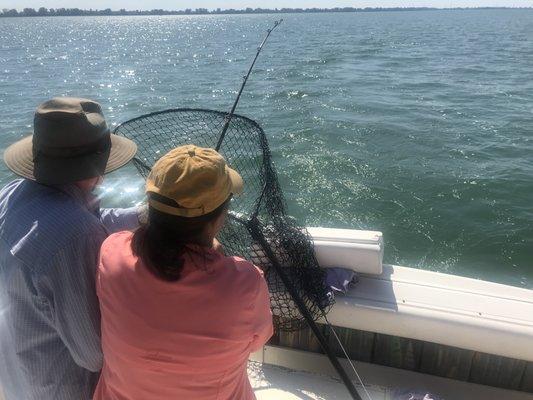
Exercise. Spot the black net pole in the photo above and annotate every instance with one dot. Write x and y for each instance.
(253, 226)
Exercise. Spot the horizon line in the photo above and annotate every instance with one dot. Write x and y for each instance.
(44, 11)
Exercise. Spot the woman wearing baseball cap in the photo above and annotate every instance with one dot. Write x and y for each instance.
(179, 319)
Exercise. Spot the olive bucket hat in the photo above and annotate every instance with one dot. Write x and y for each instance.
(70, 142)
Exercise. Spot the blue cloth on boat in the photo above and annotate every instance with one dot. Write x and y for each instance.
(340, 279)
(50, 238)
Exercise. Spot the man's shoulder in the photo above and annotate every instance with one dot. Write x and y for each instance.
(50, 208)
(37, 221)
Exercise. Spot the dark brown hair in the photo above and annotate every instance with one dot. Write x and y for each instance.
(161, 242)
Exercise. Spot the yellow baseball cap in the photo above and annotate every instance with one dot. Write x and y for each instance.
(192, 180)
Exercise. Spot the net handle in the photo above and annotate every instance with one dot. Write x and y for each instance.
(255, 231)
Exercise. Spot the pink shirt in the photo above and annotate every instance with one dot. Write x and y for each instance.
(188, 339)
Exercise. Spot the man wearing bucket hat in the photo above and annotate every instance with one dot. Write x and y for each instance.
(51, 230)
(179, 319)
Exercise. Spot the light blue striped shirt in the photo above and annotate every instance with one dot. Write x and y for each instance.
(50, 238)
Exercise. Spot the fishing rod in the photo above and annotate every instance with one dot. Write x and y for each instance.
(229, 116)
(253, 227)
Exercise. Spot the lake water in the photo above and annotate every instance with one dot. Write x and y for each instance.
(418, 124)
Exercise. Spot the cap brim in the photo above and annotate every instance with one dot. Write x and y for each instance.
(19, 156)
(237, 183)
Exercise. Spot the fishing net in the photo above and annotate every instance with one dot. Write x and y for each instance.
(258, 227)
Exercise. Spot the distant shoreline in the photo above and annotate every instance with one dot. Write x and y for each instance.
(76, 12)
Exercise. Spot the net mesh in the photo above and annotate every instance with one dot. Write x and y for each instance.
(259, 211)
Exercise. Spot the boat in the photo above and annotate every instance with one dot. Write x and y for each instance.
(409, 332)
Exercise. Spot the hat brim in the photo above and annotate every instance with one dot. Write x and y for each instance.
(237, 183)
(19, 158)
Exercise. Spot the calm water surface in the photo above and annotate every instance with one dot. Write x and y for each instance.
(418, 124)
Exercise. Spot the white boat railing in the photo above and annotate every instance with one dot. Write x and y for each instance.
(425, 305)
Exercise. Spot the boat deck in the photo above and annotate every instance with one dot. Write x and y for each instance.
(286, 374)
(278, 383)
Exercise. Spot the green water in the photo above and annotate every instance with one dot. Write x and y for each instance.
(418, 124)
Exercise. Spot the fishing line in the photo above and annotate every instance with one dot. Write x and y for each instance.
(339, 341)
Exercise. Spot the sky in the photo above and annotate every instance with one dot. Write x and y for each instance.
(211, 4)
